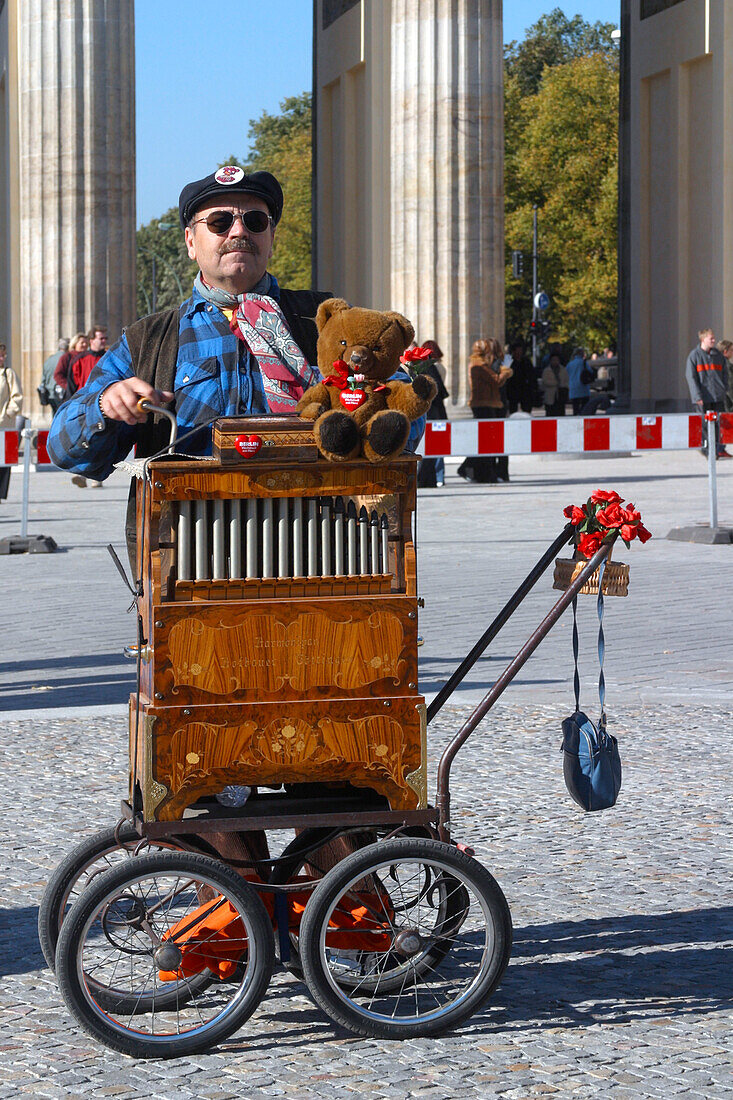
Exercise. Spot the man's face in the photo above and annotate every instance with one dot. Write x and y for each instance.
(707, 341)
(517, 352)
(237, 260)
(98, 342)
(3, 355)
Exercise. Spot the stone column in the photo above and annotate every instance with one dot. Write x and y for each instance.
(447, 152)
(76, 104)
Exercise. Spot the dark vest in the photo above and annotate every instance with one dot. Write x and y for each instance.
(153, 344)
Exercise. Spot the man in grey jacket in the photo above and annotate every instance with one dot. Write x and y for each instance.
(706, 372)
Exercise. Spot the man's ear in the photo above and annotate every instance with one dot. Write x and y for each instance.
(190, 246)
(404, 325)
(327, 309)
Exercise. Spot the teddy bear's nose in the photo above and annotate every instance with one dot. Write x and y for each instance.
(359, 356)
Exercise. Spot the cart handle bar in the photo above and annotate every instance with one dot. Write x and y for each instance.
(504, 615)
(443, 785)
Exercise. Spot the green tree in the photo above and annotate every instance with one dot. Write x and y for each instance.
(281, 144)
(561, 121)
(554, 40)
(174, 272)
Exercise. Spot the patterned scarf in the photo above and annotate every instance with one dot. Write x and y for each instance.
(259, 322)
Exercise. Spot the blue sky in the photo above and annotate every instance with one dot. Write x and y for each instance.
(204, 70)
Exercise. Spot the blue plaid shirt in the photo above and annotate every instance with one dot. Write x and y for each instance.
(215, 376)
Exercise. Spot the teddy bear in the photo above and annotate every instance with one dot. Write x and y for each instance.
(356, 410)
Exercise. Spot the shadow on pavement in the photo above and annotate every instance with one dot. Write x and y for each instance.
(20, 951)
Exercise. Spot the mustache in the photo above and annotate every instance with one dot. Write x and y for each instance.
(237, 244)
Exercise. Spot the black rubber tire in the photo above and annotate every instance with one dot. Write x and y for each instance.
(91, 850)
(333, 996)
(54, 903)
(249, 986)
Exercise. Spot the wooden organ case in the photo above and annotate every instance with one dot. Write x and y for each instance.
(279, 614)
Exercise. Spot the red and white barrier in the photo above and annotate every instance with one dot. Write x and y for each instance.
(568, 435)
(10, 450)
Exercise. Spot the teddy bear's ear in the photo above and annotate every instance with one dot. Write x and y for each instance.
(327, 309)
(402, 323)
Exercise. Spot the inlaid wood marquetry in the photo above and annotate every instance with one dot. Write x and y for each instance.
(279, 612)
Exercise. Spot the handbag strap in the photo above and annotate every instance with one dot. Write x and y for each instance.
(601, 650)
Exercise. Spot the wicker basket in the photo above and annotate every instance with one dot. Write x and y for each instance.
(615, 577)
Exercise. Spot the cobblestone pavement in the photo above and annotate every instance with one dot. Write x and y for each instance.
(620, 982)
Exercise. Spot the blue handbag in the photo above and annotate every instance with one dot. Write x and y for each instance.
(591, 761)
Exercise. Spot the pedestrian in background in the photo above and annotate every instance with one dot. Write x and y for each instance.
(555, 386)
(83, 366)
(580, 375)
(725, 347)
(488, 377)
(706, 371)
(77, 346)
(47, 394)
(11, 403)
(521, 385)
(431, 474)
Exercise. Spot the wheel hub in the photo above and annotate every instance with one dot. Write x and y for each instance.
(408, 942)
(168, 957)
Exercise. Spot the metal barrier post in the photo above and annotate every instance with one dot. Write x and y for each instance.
(713, 534)
(23, 543)
(711, 419)
(27, 436)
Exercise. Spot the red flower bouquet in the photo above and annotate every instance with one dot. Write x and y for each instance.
(414, 358)
(603, 518)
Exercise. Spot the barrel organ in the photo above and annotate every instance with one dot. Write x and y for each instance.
(279, 614)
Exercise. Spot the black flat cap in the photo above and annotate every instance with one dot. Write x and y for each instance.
(230, 179)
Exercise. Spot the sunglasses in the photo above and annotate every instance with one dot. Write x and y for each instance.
(221, 221)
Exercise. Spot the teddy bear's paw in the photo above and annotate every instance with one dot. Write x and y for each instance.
(386, 435)
(337, 435)
(425, 387)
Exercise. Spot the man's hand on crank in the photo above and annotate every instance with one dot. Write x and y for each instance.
(120, 400)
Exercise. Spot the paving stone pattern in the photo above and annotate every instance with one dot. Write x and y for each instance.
(620, 980)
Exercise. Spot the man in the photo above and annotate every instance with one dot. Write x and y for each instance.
(706, 372)
(47, 389)
(190, 355)
(520, 387)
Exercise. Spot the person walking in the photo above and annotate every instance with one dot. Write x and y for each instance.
(431, 473)
(488, 376)
(11, 403)
(520, 389)
(706, 371)
(78, 345)
(579, 377)
(555, 386)
(725, 347)
(47, 394)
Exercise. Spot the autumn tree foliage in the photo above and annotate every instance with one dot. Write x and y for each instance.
(561, 126)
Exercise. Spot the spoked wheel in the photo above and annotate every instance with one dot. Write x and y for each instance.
(433, 924)
(106, 849)
(155, 924)
(93, 855)
(309, 857)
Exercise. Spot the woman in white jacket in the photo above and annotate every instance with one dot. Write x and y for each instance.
(11, 402)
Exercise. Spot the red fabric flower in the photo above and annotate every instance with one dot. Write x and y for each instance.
(608, 496)
(574, 514)
(642, 532)
(628, 531)
(589, 543)
(415, 355)
(612, 516)
(340, 378)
